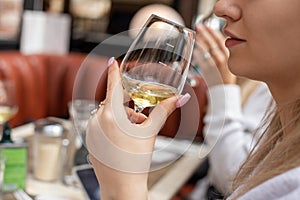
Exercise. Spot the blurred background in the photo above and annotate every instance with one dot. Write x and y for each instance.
(43, 50)
(86, 22)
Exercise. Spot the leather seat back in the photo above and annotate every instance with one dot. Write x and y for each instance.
(46, 83)
(29, 75)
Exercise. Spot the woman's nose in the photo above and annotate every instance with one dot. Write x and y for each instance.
(228, 9)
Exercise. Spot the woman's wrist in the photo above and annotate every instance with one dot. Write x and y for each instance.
(118, 185)
(133, 192)
(125, 186)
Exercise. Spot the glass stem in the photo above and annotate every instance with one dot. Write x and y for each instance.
(138, 108)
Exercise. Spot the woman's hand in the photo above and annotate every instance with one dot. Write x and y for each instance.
(211, 56)
(120, 142)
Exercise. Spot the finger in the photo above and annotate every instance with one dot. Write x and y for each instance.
(220, 40)
(206, 36)
(114, 85)
(215, 41)
(126, 96)
(209, 44)
(201, 57)
(200, 41)
(160, 113)
(135, 117)
(220, 53)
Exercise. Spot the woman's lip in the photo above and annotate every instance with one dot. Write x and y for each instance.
(230, 42)
(231, 35)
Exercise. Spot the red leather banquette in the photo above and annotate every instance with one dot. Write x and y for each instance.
(46, 83)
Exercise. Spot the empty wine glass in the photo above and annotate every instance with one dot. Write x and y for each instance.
(80, 112)
(8, 105)
(212, 21)
(157, 62)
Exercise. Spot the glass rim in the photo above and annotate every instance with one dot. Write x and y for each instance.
(153, 16)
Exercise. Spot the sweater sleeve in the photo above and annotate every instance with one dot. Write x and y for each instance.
(228, 130)
(285, 186)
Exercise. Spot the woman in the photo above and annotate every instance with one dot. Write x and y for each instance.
(230, 131)
(263, 44)
(257, 52)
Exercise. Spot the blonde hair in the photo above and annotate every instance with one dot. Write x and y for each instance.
(273, 154)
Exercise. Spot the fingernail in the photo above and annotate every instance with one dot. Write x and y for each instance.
(200, 26)
(111, 61)
(183, 100)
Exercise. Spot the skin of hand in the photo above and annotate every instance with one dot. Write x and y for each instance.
(120, 142)
(211, 55)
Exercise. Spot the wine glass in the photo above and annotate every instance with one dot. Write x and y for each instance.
(156, 64)
(8, 105)
(212, 21)
(80, 112)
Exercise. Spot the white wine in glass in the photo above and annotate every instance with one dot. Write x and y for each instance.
(157, 62)
(7, 112)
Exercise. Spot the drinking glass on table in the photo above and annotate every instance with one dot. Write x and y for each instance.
(80, 112)
(157, 62)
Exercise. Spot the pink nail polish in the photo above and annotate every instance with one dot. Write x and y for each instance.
(200, 26)
(183, 100)
(111, 61)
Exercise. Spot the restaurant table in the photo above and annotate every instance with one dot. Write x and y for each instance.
(163, 183)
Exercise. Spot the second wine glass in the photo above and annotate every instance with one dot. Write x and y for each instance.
(157, 62)
(8, 104)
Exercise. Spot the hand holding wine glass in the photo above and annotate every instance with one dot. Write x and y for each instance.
(157, 62)
(154, 68)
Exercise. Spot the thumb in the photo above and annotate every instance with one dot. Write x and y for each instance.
(114, 85)
(164, 109)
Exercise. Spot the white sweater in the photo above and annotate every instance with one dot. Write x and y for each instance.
(232, 142)
(229, 131)
(285, 186)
